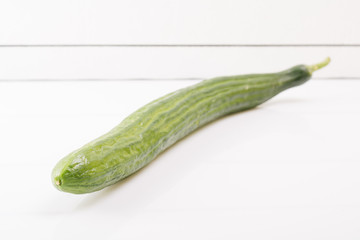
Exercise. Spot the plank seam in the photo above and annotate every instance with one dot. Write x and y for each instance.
(175, 45)
(137, 79)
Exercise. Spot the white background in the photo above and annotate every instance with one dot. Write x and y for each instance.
(72, 70)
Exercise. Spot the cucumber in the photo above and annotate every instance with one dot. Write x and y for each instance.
(140, 137)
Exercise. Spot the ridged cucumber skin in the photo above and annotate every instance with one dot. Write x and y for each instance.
(140, 137)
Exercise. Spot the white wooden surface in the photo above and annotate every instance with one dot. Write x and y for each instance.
(169, 63)
(179, 22)
(286, 170)
(70, 70)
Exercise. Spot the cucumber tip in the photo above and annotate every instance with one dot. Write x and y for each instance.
(58, 182)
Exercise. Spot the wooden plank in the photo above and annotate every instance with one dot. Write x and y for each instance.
(168, 63)
(48, 120)
(179, 22)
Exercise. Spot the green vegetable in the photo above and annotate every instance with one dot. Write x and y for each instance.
(139, 138)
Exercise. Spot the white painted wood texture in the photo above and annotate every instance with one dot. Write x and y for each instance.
(179, 22)
(330, 27)
(168, 62)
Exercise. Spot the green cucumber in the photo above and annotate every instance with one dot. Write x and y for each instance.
(140, 137)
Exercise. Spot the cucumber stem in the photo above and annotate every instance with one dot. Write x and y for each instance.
(313, 68)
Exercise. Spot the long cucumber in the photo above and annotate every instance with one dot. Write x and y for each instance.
(140, 137)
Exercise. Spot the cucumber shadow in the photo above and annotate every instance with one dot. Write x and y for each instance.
(144, 185)
(160, 175)
(115, 208)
